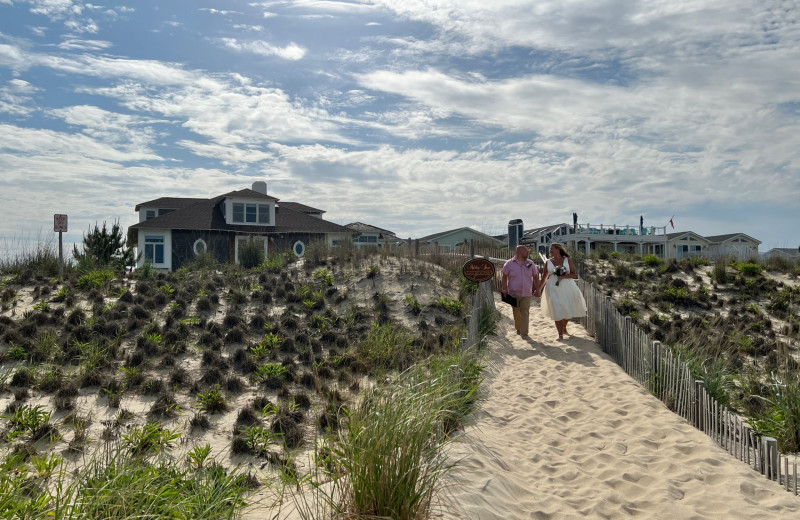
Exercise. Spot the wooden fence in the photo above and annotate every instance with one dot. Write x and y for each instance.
(669, 379)
(651, 364)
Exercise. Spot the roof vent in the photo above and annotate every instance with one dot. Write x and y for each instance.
(260, 187)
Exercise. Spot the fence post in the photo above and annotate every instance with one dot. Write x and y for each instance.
(770, 457)
(699, 386)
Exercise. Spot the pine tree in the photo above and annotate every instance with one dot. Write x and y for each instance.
(105, 247)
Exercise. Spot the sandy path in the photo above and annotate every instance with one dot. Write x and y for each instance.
(565, 433)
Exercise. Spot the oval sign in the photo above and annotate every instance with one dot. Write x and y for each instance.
(478, 270)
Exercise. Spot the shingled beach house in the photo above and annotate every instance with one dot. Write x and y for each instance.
(173, 231)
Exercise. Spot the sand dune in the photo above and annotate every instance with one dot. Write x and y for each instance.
(565, 433)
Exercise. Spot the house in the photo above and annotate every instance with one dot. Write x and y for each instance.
(584, 238)
(785, 253)
(738, 245)
(173, 231)
(368, 235)
(686, 244)
(460, 236)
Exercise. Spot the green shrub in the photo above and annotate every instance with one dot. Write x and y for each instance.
(212, 400)
(748, 269)
(95, 279)
(720, 273)
(323, 276)
(454, 307)
(251, 254)
(413, 304)
(651, 261)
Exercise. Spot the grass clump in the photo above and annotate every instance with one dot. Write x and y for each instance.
(450, 305)
(386, 460)
(781, 420)
(387, 345)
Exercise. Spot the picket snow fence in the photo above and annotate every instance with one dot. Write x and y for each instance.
(669, 378)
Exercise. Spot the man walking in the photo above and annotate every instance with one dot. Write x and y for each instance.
(519, 278)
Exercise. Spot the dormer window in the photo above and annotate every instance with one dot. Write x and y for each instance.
(250, 213)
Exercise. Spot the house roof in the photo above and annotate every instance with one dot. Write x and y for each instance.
(168, 202)
(296, 206)
(433, 237)
(206, 215)
(681, 234)
(724, 238)
(246, 193)
(790, 251)
(368, 228)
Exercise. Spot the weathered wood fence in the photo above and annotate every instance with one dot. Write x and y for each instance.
(669, 378)
(652, 365)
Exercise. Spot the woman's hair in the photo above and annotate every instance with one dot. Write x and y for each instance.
(560, 249)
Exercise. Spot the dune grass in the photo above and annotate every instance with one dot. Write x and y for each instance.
(119, 486)
(387, 460)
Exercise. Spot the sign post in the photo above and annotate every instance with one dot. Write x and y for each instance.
(60, 225)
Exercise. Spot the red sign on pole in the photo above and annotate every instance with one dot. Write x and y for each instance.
(59, 222)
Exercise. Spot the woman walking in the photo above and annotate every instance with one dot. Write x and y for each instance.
(561, 299)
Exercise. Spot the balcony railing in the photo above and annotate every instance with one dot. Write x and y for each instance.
(615, 229)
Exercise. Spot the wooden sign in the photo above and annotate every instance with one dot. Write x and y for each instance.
(59, 222)
(478, 270)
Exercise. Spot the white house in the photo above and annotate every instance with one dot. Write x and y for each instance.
(738, 245)
(460, 236)
(686, 244)
(368, 235)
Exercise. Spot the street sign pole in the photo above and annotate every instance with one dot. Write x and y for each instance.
(60, 225)
(60, 255)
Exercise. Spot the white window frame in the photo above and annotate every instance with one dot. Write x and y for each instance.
(200, 243)
(263, 212)
(163, 243)
(299, 245)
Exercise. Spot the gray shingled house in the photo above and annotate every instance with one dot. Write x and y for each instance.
(172, 231)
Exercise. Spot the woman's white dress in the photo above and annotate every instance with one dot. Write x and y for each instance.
(562, 301)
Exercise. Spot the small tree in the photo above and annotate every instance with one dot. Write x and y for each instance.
(105, 247)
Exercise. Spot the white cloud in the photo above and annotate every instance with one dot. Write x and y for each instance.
(290, 52)
(84, 45)
(333, 6)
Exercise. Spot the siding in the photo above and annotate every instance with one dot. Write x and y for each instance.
(183, 246)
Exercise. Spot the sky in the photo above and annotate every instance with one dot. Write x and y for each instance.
(416, 116)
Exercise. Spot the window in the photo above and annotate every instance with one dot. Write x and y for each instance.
(299, 248)
(250, 213)
(150, 213)
(263, 214)
(238, 212)
(164, 211)
(200, 246)
(154, 249)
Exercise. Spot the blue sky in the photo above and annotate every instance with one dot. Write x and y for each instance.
(415, 116)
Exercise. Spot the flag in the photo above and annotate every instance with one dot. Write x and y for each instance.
(671, 223)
